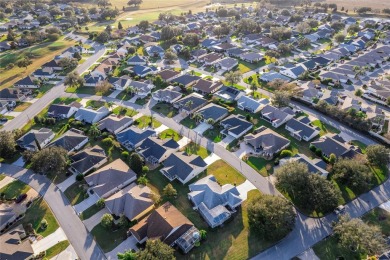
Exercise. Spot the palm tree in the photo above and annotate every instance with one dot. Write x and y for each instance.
(189, 104)
(210, 121)
(110, 105)
(197, 117)
(253, 87)
(94, 130)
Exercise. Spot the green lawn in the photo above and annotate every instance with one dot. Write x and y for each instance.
(260, 165)
(171, 134)
(89, 212)
(124, 96)
(188, 122)
(145, 121)
(379, 217)
(22, 106)
(225, 174)
(77, 192)
(43, 89)
(232, 241)
(38, 211)
(95, 104)
(214, 134)
(325, 128)
(359, 144)
(65, 101)
(56, 249)
(2, 177)
(330, 249)
(109, 239)
(83, 90)
(193, 148)
(244, 67)
(166, 109)
(124, 111)
(14, 189)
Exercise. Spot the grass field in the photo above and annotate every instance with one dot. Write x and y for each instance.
(325, 128)
(225, 174)
(77, 192)
(165, 109)
(14, 189)
(38, 54)
(348, 4)
(145, 121)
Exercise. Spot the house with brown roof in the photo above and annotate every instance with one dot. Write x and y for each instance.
(110, 178)
(168, 75)
(15, 245)
(134, 201)
(205, 87)
(169, 225)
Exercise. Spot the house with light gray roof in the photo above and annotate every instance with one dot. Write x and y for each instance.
(110, 178)
(132, 137)
(87, 160)
(277, 116)
(235, 126)
(249, 104)
(301, 129)
(35, 139)
(212, 112)
(90, 116)
(215, 203)
(134, 202)
(167, 95)
(183, 167)
(72, 140)
(315, 166)
(114, 124)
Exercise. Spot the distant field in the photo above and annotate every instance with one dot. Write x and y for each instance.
(152, 4)
(350, 4)
(39, 55)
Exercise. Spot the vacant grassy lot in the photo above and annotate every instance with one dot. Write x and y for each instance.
(145, 121)
(38, 54)
(171, 134)
(165, 109)
(260, 165)
(225, 174)
(83, 90)
(22, 106)
(77, 192)
(56, 249)
(38, 211)
(14, 189)
(379, 217)
(95, 104)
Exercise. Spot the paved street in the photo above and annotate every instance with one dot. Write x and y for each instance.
(77, 234)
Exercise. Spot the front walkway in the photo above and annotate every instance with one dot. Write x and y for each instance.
(95, 219)
(244, 188)
(49, 241)
(161, 129)
(243, 150)
(129, 243)
(67, 183)
(115, 93)
(226, 141)
(202, 127)
(19, 162)
(92, 199)
(67, 254)
(184, 141)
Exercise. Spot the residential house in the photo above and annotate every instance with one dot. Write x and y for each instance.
(87, 160)
(27, 82)
(301, 129)
(137, 60)
(15, 245)
(62, 111)
(333, 143)
(141, 89)
(315, 166)
(90, 116)
(132, 137)
(168, 75)
(133, 201)
(110, 178)
(92, 80)
(270, 76)
(186, 80)
(235, 126)
(35, 139)
(267, 142)
(210, 58)
(251, 57)
(167, 95)
(155, 150)
(212, 112)
(189, 104)
(276, 116)
(44, 73)
(206, 87)
(227, 63)
(294, 72)
(120, 83)
(229, 94)
(155, 51)
(249, 104)
(114, 124)
(53, 64)
(183, 167)
(11, 95)
(215, 203)
(196, 54)
(143, 71)
(169, 225)
(72, 140)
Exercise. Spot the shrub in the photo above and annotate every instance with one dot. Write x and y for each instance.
(43, 224)
(145, 169)
(286, 153)
(318, 152)
(125, 154)
(107, 141)
(313, 148)
(79, 177)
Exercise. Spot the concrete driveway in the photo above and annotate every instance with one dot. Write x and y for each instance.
(7, 180)
(227, 140)
(19, 162)
(244, 188)
(67, 254)
(67, 183)
(92, 199)
(129, 243)
(49, 241)
(95, 219)
(211, 159)
(202, 127)
(115, 93)
(243, 150)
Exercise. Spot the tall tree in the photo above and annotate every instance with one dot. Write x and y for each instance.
(354, 173)
(378, 155)
(73, 79)
(7, 144)
(233, 77)
(281, 98)
(156, 250)
(272, 217)
(136, 163)
(50, 160)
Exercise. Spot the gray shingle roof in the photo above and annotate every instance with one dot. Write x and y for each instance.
(180, 165)
(70, 139)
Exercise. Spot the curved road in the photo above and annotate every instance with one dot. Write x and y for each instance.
(81, 240)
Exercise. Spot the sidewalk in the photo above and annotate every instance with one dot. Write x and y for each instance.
(49, 241)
